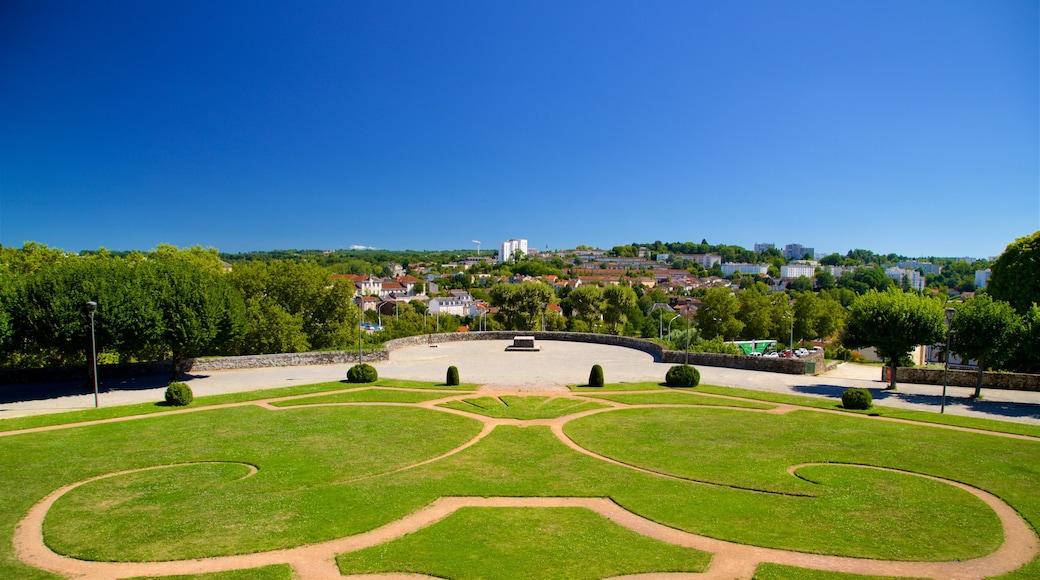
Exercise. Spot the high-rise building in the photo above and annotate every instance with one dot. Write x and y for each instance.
(507, 248)
(798, 251)
(759, 248)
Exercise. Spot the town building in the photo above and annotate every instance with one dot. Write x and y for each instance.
(744, 268)
(507, 248)
(797, 271)
(913, 278)
(982, 278)
(926, 267)
(798, 251)
(759, 248)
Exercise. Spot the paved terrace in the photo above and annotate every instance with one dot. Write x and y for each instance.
(555, 366)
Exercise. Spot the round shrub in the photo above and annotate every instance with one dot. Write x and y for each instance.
(856, 398)
(682, 376)
(596, 376)
(362, 373)
(453, 376)
(179, 395)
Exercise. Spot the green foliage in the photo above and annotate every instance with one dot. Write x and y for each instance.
(522, 304)
(362, 373)
(682, 376)
(716, 345)
(587, 301)
(596, 376)
(453, 376)
(1026, 357)
(179, 395)
(717, 314)
(986, 331)
(522, 407)
(1016, 274)
(618, 299)
(856, 398)
(894, 323)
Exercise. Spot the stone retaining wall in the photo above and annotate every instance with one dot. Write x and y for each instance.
(990, 380)
(292, 359)
(775, 365)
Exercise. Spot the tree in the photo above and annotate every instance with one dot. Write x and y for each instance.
(717, 314)
(1026, 357)
(893, 322)
(754, 311)
(521, 304)
(588, 301)
(1016, 274)
(618, 300)
(985, 330)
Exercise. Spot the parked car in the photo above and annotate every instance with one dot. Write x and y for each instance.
(816, 349)
(787, 354)
(772, 355)
(801, 352)
(755, 354)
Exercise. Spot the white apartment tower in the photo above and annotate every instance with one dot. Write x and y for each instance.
(507, 248)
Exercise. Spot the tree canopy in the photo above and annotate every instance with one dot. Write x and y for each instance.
(893, 322)
(1015, 275)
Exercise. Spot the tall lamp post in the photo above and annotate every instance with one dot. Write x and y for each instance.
(687, 363)
(950, 314)
(91, 308)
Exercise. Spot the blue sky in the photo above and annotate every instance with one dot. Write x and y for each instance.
(908, 127)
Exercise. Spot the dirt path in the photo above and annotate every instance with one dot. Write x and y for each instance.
(731, 561)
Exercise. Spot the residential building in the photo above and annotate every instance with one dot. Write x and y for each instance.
(926, 267)
(797, 271)
(705, 260)
(759, 248)
(913, 278)
(982, 278)
(458, 306)
(507, 248)
(744, 268)
(798, 251)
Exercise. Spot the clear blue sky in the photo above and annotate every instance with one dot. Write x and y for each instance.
(896, 126)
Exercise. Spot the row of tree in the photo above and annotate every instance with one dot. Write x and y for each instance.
(164, 304)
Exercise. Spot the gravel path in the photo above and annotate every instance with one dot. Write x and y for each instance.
(731, 561)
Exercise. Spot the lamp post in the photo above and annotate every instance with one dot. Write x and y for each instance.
(91, 308)
(950, 314)
(687, 363)
(670, 325)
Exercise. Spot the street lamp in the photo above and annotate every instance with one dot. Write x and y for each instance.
(91, 308)
(687, 338)
(950, 314)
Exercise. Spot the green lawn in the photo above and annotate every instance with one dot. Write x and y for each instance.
(517, 407)
(365, 396)
(333, 471)
(684, 397)
(569, 543)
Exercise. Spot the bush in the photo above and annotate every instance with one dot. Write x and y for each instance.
(362, 373)
(179, 395)
(682, 376)
(856, 398)
(596, 376)
(453, 376)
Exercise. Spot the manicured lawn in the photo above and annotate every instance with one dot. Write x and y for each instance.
(677, 397)
(879, 411)
(618, 387)
(330, 472)
(364, 396)
(279, 572)
(404, 384)
(570, 543)
(516, 407)
(778, 572)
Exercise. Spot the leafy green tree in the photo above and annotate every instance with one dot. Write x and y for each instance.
(800, 284)
(755, 311)
(1016, 274)
(717, 315)
(522, 304)
(985, 330)
(200, 311)
(270, 329)
(893, 322)
(588, 301)
(1026, 356)
(618, 300)
(825, 280)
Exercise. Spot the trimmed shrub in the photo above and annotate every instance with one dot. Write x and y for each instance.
(362, 373)
(179, 395)
(856, 398)
(596, 376)
(682, 376)
(453, 376)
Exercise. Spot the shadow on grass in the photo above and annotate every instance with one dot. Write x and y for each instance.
(996, 408)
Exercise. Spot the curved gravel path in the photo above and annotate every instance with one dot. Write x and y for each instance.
(731, 561)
